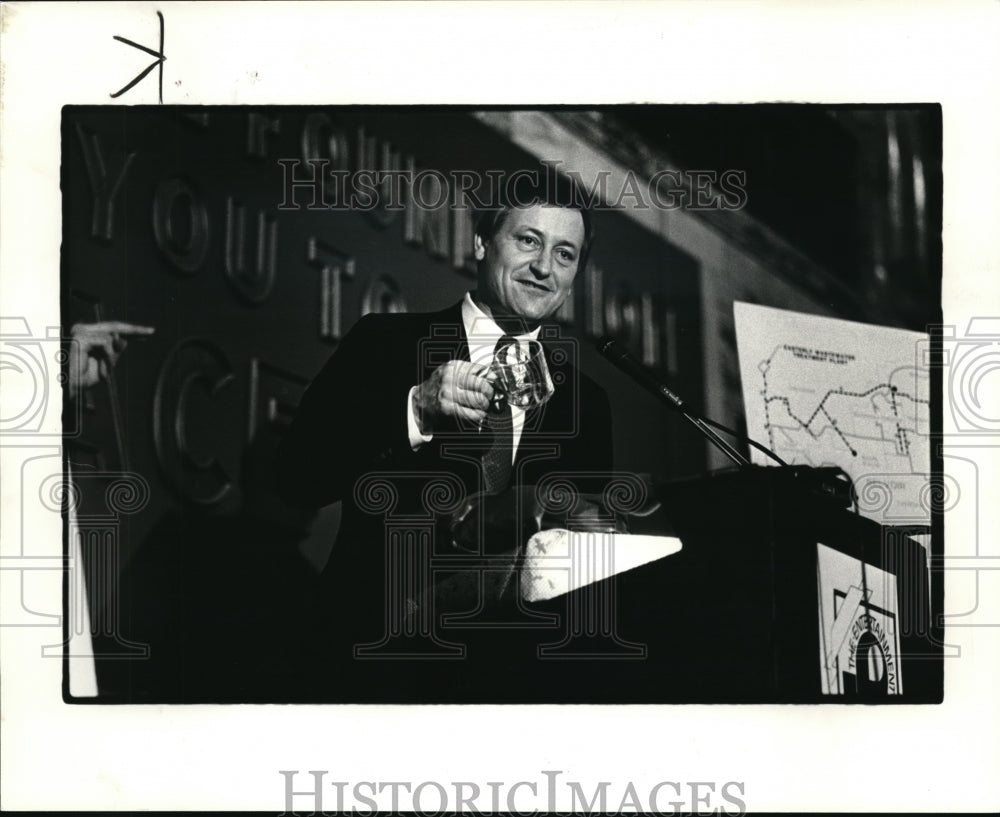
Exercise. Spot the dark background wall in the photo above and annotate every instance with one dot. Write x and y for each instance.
(855, 188)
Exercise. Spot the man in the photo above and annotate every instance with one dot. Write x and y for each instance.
(412, 397)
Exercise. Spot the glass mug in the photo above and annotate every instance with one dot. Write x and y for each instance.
(520, 376)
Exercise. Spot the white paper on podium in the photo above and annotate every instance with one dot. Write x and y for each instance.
(557, 561)
(828, 392)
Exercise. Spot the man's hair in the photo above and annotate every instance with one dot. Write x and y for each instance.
(522, 190)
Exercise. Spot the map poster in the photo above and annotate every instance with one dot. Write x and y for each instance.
(827, 392)
(858, 632)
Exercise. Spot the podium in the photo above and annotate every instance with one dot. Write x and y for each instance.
(795, 598)
(779, 595)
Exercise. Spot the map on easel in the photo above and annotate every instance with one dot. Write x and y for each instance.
(828, 392)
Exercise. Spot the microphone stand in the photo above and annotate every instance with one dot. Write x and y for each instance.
(824, 482)
(714, 438)
(828, 481)
(621, 359)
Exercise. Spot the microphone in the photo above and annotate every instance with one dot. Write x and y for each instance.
(823, 480)
(620, 357)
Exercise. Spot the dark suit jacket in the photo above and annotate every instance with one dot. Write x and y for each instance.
(349, 441)
(352, 420)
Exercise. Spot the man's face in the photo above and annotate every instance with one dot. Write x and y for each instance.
(528, 267)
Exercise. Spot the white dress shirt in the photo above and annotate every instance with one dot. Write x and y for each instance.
(482, 333)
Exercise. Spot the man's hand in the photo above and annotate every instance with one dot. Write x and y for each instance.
(456, 389)
(96, 347)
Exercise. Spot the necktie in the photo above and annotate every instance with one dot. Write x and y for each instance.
(497, 459)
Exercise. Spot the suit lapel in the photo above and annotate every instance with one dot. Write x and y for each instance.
(441, 338)
(554, 417)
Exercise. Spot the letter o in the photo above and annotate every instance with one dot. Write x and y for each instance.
(443, 191)
(323, 139)
(186, 254)
(442, 794)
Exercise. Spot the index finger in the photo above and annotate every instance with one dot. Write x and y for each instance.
(475, 379)
(478, 369)
(122, 328)
(115, 328)
(486, 387)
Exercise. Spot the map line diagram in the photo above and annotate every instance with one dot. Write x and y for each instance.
(826, 392)
(895, 428)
